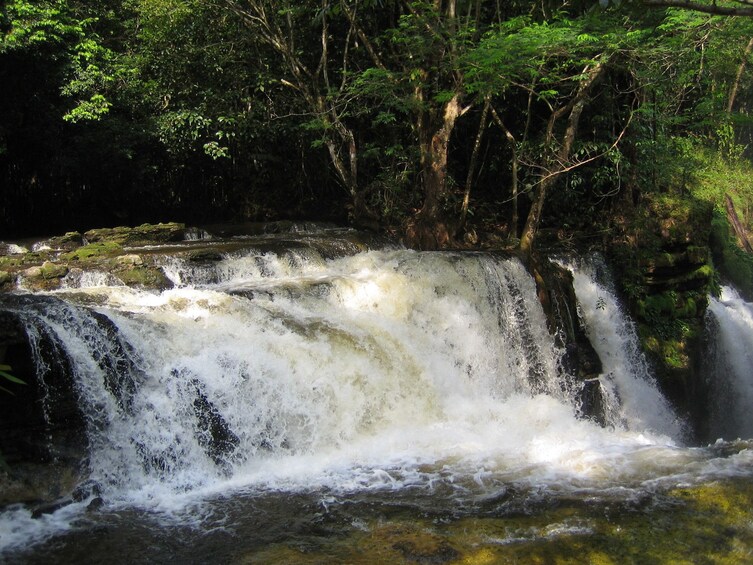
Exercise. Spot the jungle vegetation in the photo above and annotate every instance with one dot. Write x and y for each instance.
(447, 122)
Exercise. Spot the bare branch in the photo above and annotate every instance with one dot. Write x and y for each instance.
(351, 15)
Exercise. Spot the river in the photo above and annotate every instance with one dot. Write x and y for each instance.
(325, 403)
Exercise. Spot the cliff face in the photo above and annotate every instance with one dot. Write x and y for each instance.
(662, 256)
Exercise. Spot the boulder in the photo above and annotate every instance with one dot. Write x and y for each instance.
(144, 234)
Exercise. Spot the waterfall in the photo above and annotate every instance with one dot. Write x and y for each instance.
(304, 369)
(272, 374)
(729, 364)
(629, 388)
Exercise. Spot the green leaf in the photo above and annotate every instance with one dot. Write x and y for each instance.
(11, 378)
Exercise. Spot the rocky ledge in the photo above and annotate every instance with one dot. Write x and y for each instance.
(45, 264)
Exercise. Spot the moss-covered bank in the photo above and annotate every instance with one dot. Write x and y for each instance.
(662, 258)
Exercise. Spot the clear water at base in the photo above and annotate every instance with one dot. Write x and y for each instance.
(274, 406)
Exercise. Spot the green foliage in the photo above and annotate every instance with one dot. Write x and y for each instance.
(185, 103)
(69, 36)
(35, 25)
(733, 262)
(5, 373)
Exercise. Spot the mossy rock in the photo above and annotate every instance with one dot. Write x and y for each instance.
(693, 256)
(675, 219)
(93, 251)
(52, 270)
(144, 277)
(67, 242)
(144, 234)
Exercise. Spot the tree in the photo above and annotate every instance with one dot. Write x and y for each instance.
(320, 84)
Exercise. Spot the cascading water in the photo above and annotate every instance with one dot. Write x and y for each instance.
(632, 396)
(730, 366)
(340, 374)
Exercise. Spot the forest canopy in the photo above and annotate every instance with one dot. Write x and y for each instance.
(437, 119)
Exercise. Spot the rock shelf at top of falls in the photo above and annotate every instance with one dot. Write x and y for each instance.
(132, 256)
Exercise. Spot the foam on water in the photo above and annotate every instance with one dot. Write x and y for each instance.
(635, 402)
(730, 366)
(384, 370)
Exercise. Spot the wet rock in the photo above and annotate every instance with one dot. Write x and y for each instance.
(34, 272)
(50, 270)
(68, 242)
(130, 259)
(144, 277)
(85, 490)
(93, 251)
(12, 249)
(554, 286)
(205, 256)
(95, 505)
(591, 398)
(50, 508)
(216, 437)
(144, 234)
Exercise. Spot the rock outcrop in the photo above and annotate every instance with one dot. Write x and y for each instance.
(662, 257)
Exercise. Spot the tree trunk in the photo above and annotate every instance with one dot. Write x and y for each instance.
(314, 89)
(431, 229)
(472, 164)
(562, 156)
(737, 225)
(515, 165)
(738, 76)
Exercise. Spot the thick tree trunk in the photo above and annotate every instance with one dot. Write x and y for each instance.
(737, 225)
(432, 229)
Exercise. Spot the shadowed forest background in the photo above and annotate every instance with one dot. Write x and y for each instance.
(445, 122)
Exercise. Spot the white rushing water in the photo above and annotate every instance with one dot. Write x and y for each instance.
(730, 366)
(385, 369)
(635, 402)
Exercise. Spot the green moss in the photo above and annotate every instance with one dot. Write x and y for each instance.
(147, 277)
(733, 262)
(139, 235)
(91, 251)
(16, 262)
(53, 270)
